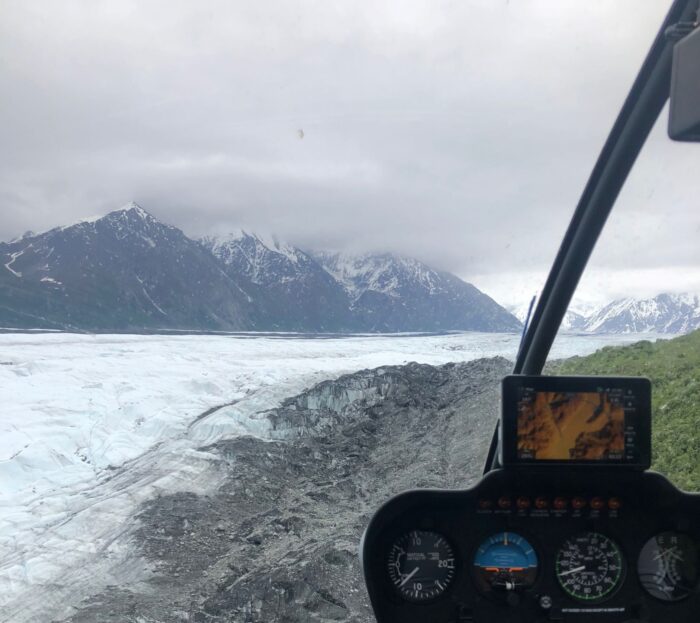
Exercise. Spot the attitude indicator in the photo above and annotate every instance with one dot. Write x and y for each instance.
(505, 562)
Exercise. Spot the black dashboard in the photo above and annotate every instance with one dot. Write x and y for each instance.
(538, 545)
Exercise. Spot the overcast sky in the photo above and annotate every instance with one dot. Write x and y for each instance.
(461, 133)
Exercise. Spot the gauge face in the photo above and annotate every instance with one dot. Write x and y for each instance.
(589, 567)
(668, 566)
(505, 562)
(421, 565)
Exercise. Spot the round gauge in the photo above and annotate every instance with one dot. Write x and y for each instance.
(505, 562)
(668, 566)
(421, 565)
(589, 567)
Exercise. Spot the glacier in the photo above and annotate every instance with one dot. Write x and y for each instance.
(94, 425)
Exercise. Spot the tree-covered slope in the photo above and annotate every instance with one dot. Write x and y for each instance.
(674, 369)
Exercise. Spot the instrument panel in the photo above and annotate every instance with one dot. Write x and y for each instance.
(528, 545)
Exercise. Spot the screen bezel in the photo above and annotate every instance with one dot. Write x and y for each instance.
(511, 384)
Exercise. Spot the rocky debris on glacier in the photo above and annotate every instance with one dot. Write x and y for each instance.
(278, 542)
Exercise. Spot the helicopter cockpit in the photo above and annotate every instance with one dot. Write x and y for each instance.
(571, 528)
(567, 523)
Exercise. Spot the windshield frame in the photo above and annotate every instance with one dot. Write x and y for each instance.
(639, 113)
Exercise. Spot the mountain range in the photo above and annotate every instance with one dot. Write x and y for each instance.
(664, 313)
(128, 271)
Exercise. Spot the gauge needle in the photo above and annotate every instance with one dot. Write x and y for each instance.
(409, 576)
(570, 571)
(669, 553)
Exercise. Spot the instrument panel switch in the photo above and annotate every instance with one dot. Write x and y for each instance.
(579, 503)
(614, 504)
(597, 503)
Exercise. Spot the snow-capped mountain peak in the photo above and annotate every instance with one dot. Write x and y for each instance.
(134, 207)
(665, 313)
(27, 234)
(256, 256)
(132, 211)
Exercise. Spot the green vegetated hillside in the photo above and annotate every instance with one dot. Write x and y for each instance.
(674, 369)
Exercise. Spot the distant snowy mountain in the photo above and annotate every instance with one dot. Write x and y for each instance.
(305, 291)
(392, 293)
(573, 320)
(127, 271)
(665, 313)
(122, 271)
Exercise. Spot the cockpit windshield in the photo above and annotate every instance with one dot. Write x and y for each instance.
(264, 265)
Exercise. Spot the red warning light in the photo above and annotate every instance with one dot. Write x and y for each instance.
(614, 504)
(504, 502)
(523, 503)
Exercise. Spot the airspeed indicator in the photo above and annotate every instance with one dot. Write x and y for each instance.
(589, 567)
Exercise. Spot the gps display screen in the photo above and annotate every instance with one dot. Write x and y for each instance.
(604, 420)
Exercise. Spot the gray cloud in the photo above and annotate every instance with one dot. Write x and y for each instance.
(461, 133)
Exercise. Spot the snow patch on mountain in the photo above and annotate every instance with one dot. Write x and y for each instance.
(50, 280)
(13, 259)
(384, 273)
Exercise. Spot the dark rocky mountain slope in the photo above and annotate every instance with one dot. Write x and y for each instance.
(392, 293)
(124, 271)
(278, 541)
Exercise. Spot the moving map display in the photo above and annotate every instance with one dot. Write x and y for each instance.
(591, 420)
(586, 426)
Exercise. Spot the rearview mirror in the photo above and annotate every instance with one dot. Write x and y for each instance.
(684, 112)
